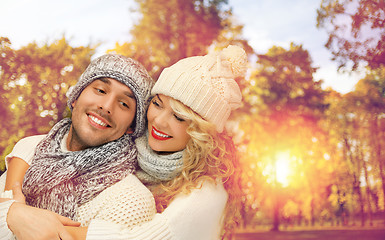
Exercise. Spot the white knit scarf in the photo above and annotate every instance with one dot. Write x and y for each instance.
(61, 181)
(155, 168)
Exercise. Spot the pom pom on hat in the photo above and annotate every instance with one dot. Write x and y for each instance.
(125, 70)
(236, 58)
(206, 84)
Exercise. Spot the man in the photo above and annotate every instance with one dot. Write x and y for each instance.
(94, 149)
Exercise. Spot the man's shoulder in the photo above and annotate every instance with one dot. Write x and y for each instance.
(31, 140)
(25, 148)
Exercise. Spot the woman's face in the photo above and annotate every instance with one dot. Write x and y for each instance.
(167, 130)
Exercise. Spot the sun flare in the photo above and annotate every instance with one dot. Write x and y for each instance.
(283, 168)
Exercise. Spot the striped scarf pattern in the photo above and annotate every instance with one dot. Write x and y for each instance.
(61, 181)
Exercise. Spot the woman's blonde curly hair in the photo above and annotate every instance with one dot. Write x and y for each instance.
(208, 156)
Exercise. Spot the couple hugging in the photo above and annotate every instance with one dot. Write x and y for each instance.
(136, 160)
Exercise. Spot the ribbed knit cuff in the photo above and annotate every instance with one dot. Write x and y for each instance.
(156, 229)
(5, 232)
(100, 229)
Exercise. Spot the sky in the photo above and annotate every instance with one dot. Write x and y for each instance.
(266, 23)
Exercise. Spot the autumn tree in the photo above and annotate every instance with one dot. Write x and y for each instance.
(352, 140)
(371, 94)
(355, 122)
(356, 31)
(34, 80)
(340, 186)
(7, 74)
(167, 31)
(284, 104)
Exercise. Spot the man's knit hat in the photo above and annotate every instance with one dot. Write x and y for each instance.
(206, 84)
(125, 70)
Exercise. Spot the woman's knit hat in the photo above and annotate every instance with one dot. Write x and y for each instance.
(125, 70)
(206, 84)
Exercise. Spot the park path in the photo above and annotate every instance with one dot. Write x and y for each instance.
(368, 234)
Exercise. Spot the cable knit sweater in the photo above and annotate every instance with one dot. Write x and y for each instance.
(126, 203)
(197, 215)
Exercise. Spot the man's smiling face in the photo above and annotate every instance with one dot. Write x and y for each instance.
(103, 112)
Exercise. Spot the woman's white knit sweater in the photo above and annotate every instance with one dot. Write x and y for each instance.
(194, 216)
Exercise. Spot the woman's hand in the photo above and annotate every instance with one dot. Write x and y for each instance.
(33, 223)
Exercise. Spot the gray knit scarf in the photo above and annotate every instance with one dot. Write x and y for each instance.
(61, 181)
(155, 168)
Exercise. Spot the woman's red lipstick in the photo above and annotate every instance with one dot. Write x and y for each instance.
(158, 135)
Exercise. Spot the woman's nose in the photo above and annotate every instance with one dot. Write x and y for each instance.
(161, 119)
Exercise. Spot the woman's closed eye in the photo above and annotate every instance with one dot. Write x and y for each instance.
(155, 102)
(180, 119)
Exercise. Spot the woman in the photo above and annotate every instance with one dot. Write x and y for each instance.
(187, 159)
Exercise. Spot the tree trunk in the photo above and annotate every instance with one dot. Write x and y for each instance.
(357, 190)
(378, 133)
(368, 195)
(276, 215)
(312, 212)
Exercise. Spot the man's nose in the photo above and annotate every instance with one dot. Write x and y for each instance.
(106, 104)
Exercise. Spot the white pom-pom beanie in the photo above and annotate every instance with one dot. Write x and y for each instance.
(206, 84)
